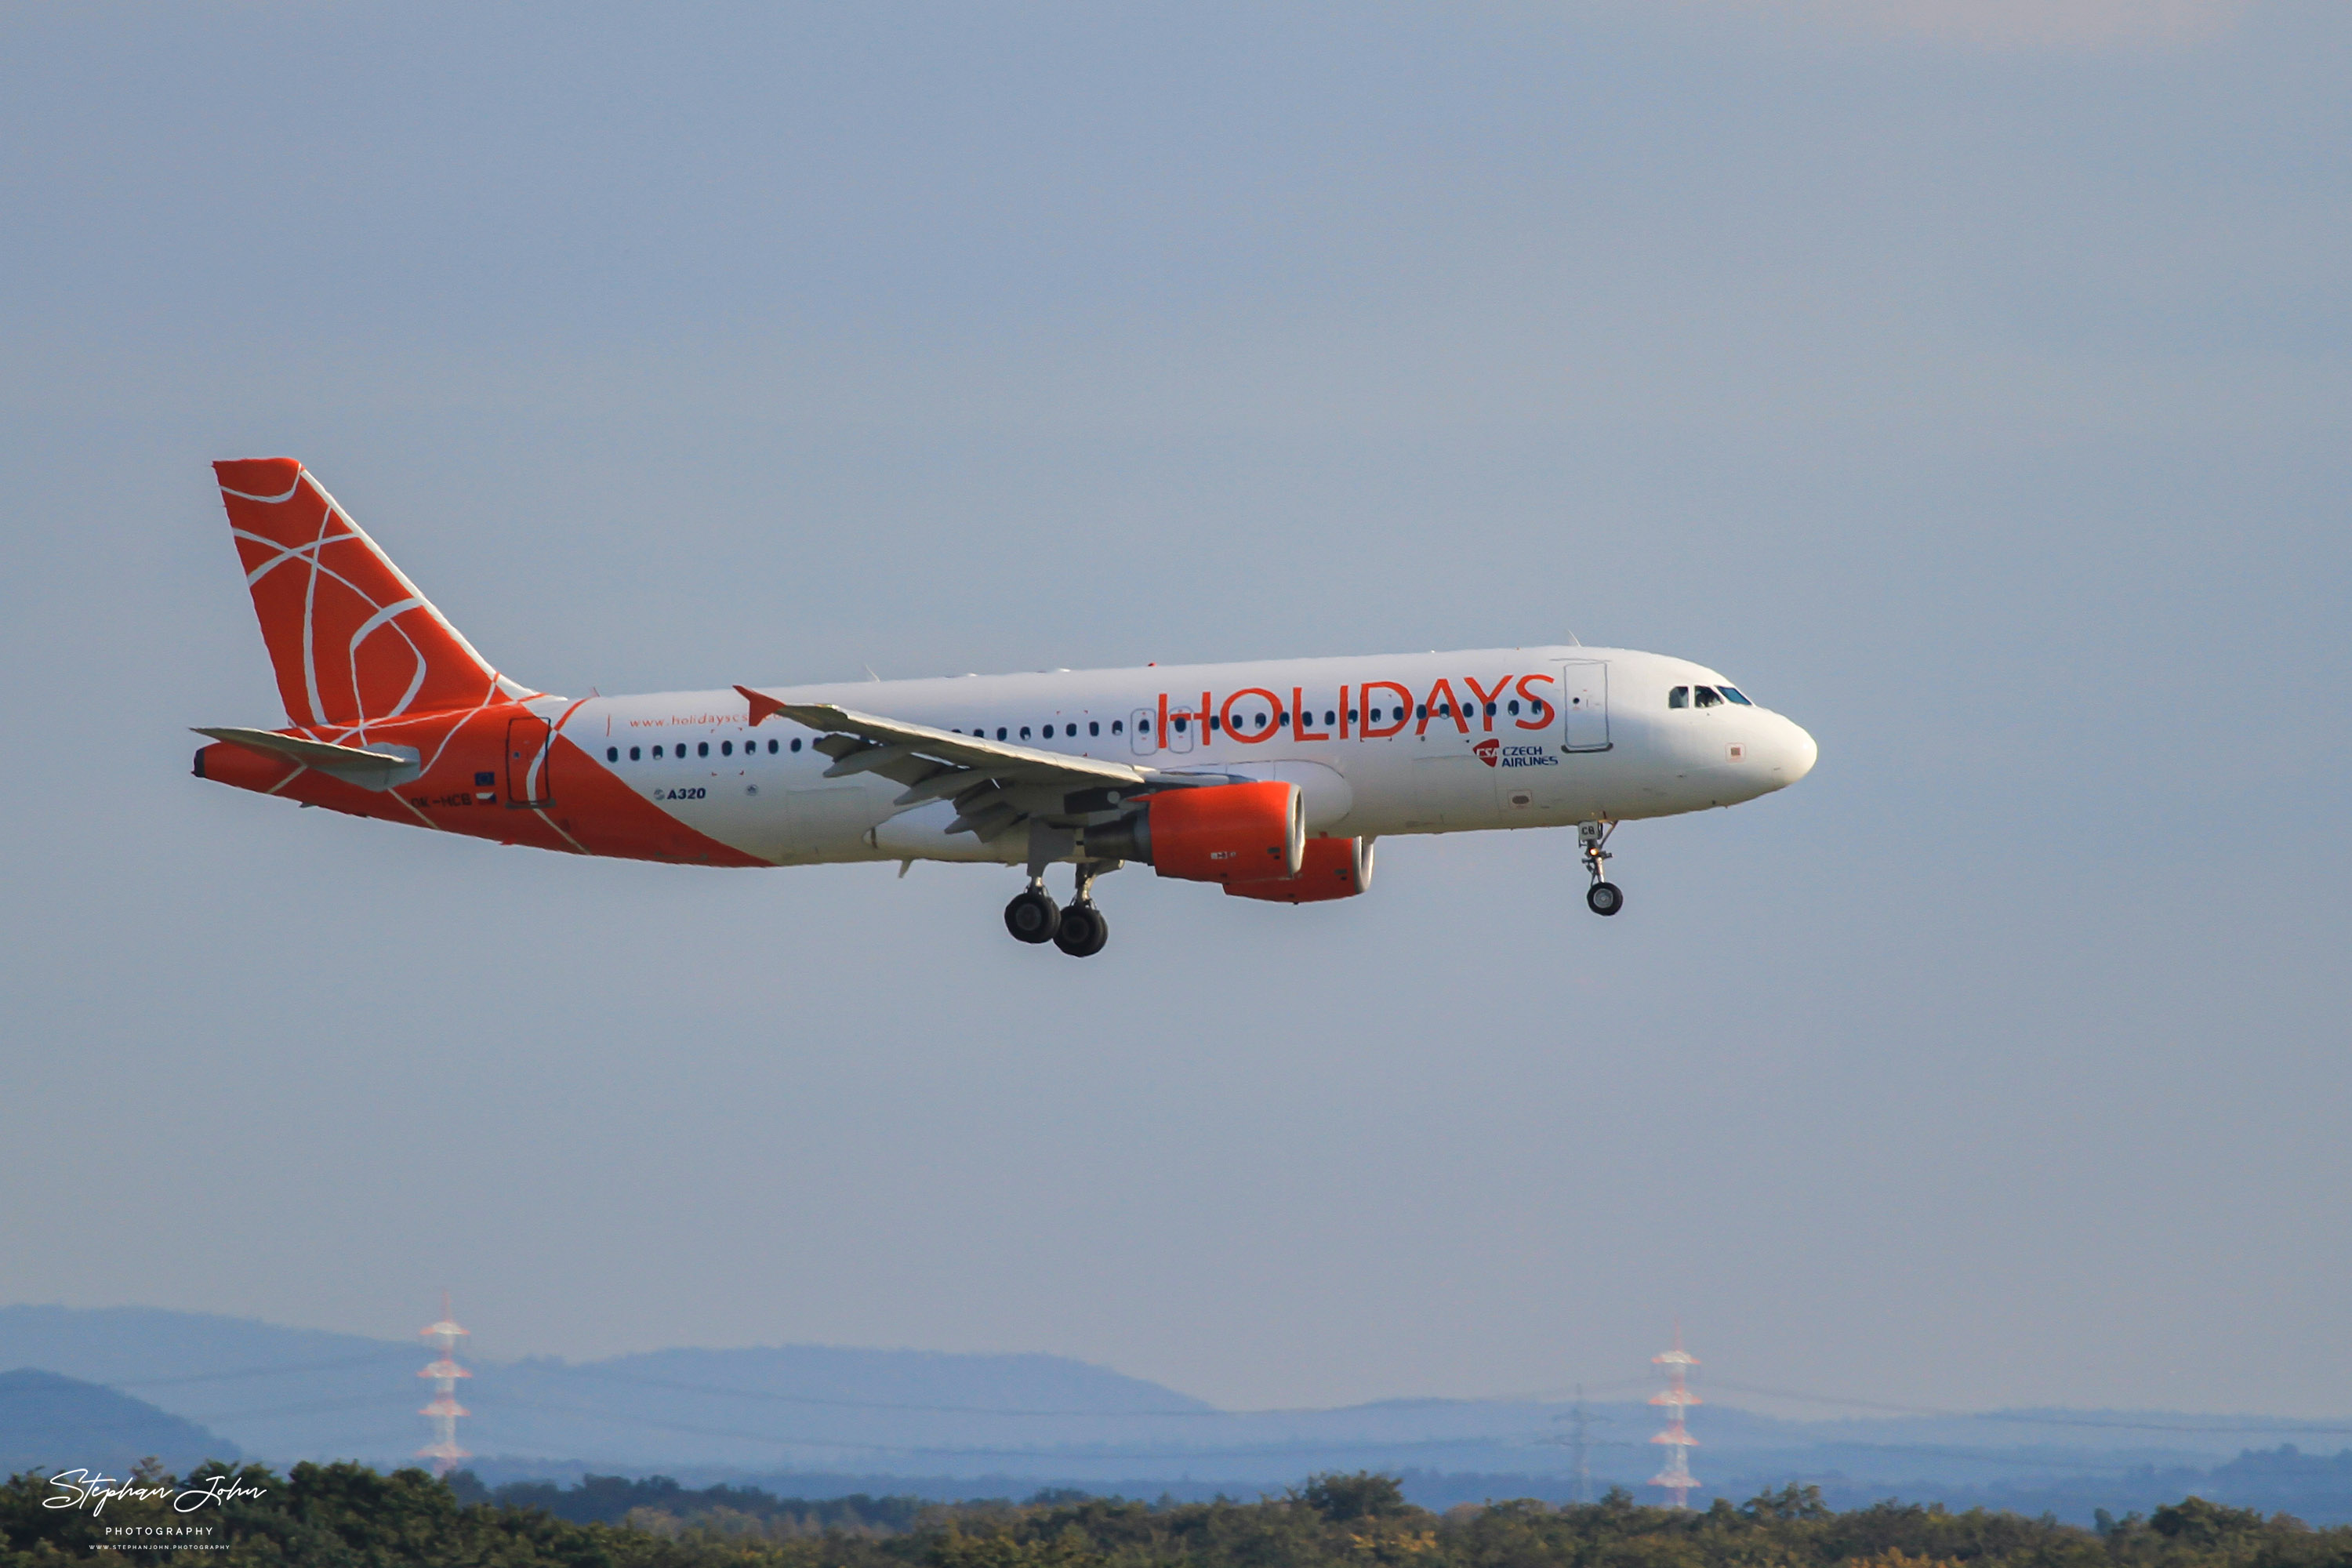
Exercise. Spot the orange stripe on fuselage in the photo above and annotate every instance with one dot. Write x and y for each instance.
(592, 810)
(609, 817)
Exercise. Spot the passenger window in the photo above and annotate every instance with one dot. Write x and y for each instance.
(1024, 731)
(1708, 696)
(1678, 698)
(1214, 722)
(1733, 694)
(1490, 710)
(1000, 732)
(1181, 721)
(611, 753)
(1118, 726)
(772, 748)
(1422, 708)
(725, 748)
(1515, 707)
(1094, 727)
(633, 754)
(1142, 727)
(656, 754)
(796, 743)
(1351, 715)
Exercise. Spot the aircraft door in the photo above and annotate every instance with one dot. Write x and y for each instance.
(530, 744)
(1584, 705)
(1138, 732)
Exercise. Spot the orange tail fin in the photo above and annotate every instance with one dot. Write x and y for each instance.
(351, 637)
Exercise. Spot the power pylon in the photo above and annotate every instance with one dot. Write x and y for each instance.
(445, 1409)
(1676, 1476)
(1580, 1442)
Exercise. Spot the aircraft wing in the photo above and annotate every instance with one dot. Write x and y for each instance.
(996, 786)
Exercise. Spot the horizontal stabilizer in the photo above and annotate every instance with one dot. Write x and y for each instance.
(369, 769)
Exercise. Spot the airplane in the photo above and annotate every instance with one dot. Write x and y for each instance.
(1271, 778)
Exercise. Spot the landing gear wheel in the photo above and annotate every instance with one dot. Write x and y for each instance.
(1032, 916)
(1084, 932)
(1605, 897)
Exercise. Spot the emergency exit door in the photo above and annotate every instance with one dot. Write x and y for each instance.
(1584, 705)
(529, 743)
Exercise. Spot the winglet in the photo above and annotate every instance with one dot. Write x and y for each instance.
(761, 706)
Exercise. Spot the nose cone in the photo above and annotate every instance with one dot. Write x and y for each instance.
(1794, 757)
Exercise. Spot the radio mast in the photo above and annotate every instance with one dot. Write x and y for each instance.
(1676, 1476)
(445, 1409)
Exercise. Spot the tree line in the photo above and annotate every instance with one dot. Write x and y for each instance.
(349, 1516)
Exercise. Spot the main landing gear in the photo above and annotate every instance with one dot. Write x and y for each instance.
(1605, 897)
(1032, 916)
(1083, 930)
(1078, 929)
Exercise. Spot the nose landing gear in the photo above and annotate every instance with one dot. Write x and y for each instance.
(1605, 897)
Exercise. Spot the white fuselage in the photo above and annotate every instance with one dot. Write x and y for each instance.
(1462, 742)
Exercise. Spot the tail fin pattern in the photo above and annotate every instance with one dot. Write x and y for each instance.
(351, 639)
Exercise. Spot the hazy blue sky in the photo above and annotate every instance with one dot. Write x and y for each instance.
(1972, 382)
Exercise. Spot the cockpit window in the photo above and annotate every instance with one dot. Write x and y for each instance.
(1678, 698)
(1733, 692)
(1708, 696)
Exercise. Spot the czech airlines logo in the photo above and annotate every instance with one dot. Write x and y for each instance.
(1486, 751)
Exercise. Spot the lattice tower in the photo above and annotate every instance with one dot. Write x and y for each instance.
(445, 1409)
(1676, 1398)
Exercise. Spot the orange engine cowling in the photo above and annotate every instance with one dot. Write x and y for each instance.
(1333, 869)
(1217, 832)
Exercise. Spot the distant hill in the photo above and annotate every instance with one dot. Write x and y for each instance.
(287, 1394)
(282, 1394)
(806, 1420)
(51, 1422)
(126, 1345)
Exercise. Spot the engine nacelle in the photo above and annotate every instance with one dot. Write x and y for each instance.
(1217, 832)
(1332, 868)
